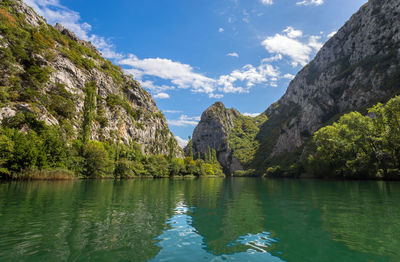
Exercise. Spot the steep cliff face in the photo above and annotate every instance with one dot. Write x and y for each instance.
(230, 133)
(47, 70)
(213, 132)
(356, 68)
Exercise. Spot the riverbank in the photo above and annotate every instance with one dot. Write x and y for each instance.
(62, 174)
(50, 174)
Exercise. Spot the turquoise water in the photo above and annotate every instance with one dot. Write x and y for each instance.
(238, 219)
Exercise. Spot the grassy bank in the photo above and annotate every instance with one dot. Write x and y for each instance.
(49, 174)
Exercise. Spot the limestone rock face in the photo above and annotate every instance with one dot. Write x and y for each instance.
(356, 68)
(136, 119)
(213, 132)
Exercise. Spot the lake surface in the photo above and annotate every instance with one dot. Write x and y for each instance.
(238, 219)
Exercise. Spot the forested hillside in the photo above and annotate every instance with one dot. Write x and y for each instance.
(65, 111)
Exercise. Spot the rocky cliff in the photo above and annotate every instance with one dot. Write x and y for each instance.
(355, 69)
(213, 132)
(47, 71)
(230, 133)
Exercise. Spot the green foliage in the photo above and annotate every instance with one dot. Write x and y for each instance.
(157, 166)
(88, 110)
(96, 161)
(77, 58)
(269, 132)
(35, 153)
(23, 43)
(189, 148)
(209, 166)
(176, 167)
(171, 148)
(242, 137)
(360, 146)
(114, 71)
(31, 149)
(275, 171)
(21, 120)
(114, 100)
(43, 148)
(4, 94)
(125, 169)
(244, 173)
(41, 41)
(5, 17)
(38, 75)
(62, 102)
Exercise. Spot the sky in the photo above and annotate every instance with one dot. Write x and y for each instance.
(189, 54)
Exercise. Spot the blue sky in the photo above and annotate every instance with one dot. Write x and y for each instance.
(189, 54)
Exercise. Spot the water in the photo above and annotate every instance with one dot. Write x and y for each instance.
(241, 219)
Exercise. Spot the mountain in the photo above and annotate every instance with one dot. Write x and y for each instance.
(355, 69)
(48, 72)
(231, 134)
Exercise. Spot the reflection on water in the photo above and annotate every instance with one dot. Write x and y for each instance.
(182, 243)
(200, 220)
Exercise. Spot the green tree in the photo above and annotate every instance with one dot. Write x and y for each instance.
(6, 150)
(171, 148)
(190, 166)
(96, 160)
(360, 146)
(176, 167)
(189, 148)
(88, 110)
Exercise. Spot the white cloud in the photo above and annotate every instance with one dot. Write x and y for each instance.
(221, 30)
(234, 54)
(267, 2)
(181, 75)
(216, 96)
(177, 74)
(151, 86)
(248, 74)
(293, 33)
(272, 59)
(181, 142)
(184, 120)
(332, 34)
(310, 2)
(289, 76)
(291, 44)
(161, 96)
(54, 13)
(251, 114)
(172, 111)
(315, 43)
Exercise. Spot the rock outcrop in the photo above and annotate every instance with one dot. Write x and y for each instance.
(356, 68)
(64, 65)
(213, 132)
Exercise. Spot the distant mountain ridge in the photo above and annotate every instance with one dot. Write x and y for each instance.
(355, 69)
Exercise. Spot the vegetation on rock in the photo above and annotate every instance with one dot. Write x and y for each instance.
(29, 149)
(64, 107)
(242, 138)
